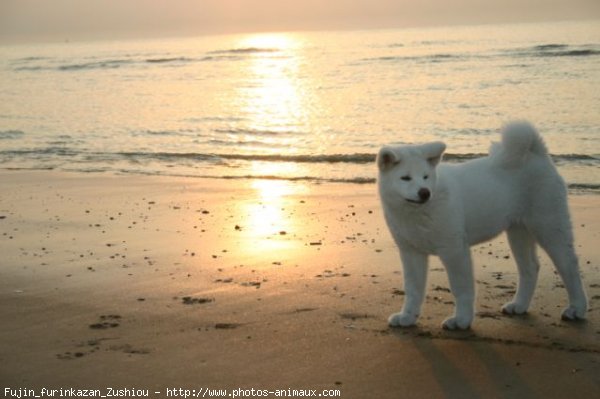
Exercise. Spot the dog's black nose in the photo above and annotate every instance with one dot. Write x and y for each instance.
(424, 194)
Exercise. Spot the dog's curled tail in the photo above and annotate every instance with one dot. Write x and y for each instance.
(520, 140)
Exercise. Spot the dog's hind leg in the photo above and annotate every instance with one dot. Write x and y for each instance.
(523, 247)
(557, 241)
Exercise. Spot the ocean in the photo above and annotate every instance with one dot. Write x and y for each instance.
(312, 107)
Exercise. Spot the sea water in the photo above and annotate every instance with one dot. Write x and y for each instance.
(311, 106)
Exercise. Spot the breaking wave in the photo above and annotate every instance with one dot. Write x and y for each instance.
(245, 50)
(38, 63)
(11, 134)
(556, 50)
(542, 50)
(353, 158)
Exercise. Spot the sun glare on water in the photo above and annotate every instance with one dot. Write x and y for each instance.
(275, 101)
(274, 41)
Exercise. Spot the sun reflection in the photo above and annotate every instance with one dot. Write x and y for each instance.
(269, 41)
(269, 220)
(265, 216)
(275, 106)
(272, 190)
(276, 100)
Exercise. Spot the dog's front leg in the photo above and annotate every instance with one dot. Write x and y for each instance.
(414, 265)
(460, 274)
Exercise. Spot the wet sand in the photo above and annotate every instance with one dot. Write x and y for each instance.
(155, 283)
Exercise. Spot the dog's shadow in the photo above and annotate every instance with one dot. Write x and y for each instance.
(453, 356)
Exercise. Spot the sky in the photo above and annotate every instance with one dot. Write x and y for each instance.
(80, 19)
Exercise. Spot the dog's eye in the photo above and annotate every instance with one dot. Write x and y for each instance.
(406, 178)
(425, 177)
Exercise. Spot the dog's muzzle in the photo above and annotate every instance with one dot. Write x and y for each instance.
(424, 195)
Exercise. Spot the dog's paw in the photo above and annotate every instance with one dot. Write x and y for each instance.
(514, 308)
(457, 323)
(402, 320)
(573, 313)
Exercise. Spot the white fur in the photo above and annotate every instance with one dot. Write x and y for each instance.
(444, 209)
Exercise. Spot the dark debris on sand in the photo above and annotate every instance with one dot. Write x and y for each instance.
(188, 300)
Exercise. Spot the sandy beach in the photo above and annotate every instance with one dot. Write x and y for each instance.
(152, 283)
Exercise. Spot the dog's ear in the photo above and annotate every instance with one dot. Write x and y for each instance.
(387, 159)
(433, 152)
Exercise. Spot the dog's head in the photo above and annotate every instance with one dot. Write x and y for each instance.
(409, 172)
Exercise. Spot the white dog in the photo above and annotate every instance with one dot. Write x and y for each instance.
(442, 210)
